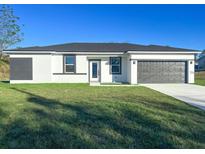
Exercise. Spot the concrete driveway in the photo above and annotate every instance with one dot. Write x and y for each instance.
(189, 93)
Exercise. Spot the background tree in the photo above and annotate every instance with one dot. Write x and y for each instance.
(10, 30)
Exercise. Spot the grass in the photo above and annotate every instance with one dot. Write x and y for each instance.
(80, 116)
(200, 78)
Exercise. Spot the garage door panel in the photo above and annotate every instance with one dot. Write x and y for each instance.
(161, 72)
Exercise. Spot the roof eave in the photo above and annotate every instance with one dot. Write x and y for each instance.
(91, 52)
(99, 52)
(164, 52)
(63, 52)
(28, 52)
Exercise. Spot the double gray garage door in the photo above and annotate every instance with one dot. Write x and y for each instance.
(161, 72)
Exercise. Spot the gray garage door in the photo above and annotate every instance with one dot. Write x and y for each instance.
(21, 69)
(161, 72)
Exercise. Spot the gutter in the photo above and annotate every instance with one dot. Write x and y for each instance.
(101, 53)
(164, 52)
(60, 53)
(28, 52)
(91, 53)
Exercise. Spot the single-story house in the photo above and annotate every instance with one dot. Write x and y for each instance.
(201, 62)
(101, 62)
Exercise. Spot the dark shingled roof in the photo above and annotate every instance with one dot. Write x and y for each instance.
(100, 47)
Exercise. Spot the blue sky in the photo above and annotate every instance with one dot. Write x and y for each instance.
(173, 25)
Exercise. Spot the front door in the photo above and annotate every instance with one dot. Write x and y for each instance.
(95, 71)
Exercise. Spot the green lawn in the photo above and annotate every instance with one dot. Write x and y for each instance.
(80, 116)
(200, 78)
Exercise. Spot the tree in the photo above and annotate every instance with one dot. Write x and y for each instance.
(10, 30)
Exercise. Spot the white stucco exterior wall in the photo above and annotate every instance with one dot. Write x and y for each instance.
(128, 69)
(81, 64)
(81, 75)
(191, 71)
(42, 65)
(189, 58)
(70, 79)
(49, 67)
(107, 77)
(162, 56)
(57, 64)
(133, 72)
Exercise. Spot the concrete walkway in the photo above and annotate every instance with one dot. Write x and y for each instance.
(189, 93)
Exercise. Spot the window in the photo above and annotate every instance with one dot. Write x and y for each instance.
(69, 64)
(95, 69)
(115, 64)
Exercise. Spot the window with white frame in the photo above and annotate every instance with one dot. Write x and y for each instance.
(115, 65)
(69, 64)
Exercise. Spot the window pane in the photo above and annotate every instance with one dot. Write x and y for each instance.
(70, 68)
(115, 69)
(69, 60)
(94, 71)
(115, 61)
